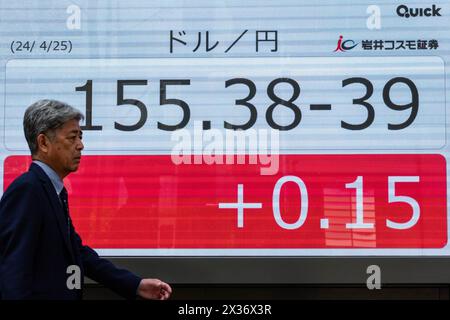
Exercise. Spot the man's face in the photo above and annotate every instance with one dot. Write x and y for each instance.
(64, 149)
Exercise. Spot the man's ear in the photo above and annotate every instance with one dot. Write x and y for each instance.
(42, 143)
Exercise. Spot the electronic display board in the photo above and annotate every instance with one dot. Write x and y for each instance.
(252, 129)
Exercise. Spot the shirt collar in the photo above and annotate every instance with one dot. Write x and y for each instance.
(54, 178)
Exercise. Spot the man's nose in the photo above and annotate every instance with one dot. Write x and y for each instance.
(80, 145)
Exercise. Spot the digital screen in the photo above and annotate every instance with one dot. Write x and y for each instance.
(241, 128)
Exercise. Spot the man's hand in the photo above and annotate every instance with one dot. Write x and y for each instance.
(154, 289)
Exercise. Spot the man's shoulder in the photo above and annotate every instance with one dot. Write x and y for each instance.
(27, 180)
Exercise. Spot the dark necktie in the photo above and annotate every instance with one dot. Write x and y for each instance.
(65, 204)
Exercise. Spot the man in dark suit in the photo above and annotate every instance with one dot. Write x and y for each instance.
(39, 248)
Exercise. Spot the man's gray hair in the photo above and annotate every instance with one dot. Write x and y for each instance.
(45, 116)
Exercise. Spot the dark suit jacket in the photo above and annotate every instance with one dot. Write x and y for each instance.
(35, 248)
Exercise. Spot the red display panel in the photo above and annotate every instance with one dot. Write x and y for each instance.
(314, 201)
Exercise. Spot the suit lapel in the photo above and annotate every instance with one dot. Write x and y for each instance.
(55, 205)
